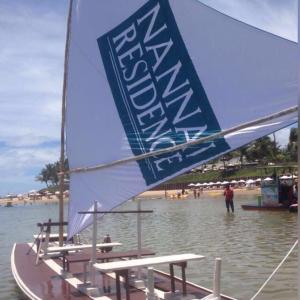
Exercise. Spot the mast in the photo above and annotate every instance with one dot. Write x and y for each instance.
(62, 133)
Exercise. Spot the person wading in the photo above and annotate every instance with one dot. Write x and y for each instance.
(228, 193)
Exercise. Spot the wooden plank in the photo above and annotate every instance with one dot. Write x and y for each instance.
(85, 256)
(146, 262)
(51, 235)
(80, 257)
(80, 247)
(50, 224)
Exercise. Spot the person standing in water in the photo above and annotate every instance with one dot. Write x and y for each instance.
(228, 193)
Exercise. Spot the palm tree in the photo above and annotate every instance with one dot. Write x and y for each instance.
(50, 173)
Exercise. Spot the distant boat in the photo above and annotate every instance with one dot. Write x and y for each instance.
(264, 208)
(9, 204)
(293, 208)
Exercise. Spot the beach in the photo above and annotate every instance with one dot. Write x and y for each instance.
(171, 194)
(29, 201)
(206, 193)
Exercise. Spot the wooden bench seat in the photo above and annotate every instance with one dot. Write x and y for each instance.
(85, 256)
(121, 268)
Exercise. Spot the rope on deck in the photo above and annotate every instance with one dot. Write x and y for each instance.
(274, 272)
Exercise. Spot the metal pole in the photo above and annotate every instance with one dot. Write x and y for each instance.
(62, 133)
(94, 233)
(217, 278)
(139, 228)
(94, 249)
(150, 285)
(139, 235)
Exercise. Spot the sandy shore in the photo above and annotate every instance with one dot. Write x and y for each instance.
(29, 201)
(210, 193)
(149, 194)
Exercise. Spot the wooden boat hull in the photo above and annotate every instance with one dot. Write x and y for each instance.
(270, 208)
(293, 208)
(47, 280)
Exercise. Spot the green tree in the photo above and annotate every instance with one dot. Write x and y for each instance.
(292, 148)
(49, 174)
(262, 150)
(225, 158)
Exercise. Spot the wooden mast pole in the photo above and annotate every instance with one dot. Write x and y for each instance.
(62, 133)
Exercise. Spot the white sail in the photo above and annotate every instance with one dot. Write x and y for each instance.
(145, 75)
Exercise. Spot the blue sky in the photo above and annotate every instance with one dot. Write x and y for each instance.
(32, 38)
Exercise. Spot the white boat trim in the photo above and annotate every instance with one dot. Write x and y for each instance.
(18, 279)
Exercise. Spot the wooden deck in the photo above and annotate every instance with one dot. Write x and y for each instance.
(47, 280)
(40, 281)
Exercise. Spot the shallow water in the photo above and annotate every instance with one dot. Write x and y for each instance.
(250, 243)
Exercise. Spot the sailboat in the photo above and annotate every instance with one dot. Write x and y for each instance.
(179, 84)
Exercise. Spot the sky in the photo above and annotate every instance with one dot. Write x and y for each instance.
(32, 39)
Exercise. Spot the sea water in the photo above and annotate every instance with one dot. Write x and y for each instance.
(250, 243)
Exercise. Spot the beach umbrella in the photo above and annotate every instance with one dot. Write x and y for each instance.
(284, 177)
(233, 181)
(241, 181)
(225, 182)
(198, 184)
(250, 181)
(258, 180)
(218, 182)
(32, 192)
(268, 179)
(57, 193)
(191, 184)
(205, 184)
(211, 183)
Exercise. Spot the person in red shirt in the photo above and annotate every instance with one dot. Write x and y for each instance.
(228, 193)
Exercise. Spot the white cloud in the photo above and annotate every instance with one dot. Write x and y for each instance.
(21, 165)
(27, 158)
(31, 68)
(32, 38)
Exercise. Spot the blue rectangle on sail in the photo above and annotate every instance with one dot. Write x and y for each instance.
(159, 97)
